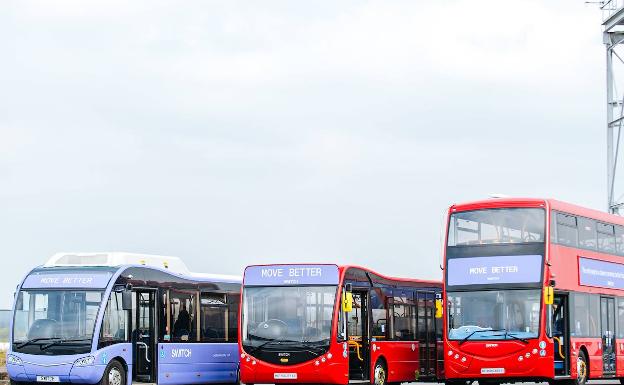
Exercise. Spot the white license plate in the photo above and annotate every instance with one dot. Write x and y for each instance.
(284, 376)
(492, 370)
(48, 379)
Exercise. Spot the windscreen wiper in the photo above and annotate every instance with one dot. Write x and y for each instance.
(479, 331)
(60, 342)
(265, 343)
(314, 349)
(526, 342)
(32, 341)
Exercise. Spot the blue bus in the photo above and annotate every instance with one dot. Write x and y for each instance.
(119, 318)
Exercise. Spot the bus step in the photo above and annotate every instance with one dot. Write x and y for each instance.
(562, 377)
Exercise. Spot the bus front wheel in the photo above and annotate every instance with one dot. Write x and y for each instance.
(381, 374)
(582, 369)
(114, 374)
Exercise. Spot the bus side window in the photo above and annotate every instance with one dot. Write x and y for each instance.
(114, 329)
(566, 230)
(233, 301)
(380, 314)
(404, 315)
(183, 319)
(585, 313)
(594, 315)
(606, 237)
(553, 227)
(620, 318)
(587, 233)
(214, 317)
(619, 240)
(580, 315)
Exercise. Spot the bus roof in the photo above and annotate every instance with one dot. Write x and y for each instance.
(552, 204)
(113, 259)
(169, 264)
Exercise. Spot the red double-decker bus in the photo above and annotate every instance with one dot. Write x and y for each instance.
(534, 290)
(335, 324)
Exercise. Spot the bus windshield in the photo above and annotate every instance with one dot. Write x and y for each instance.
(55, 321)
(283, 314)
(494, 314)
(497, 226)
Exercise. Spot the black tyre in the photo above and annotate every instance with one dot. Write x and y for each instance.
(582, 369)
(380, 373)
(115, 374)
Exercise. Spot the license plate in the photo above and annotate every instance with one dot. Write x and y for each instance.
(493, 371)
(48, 379)
(284, 376)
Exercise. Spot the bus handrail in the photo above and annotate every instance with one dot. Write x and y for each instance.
(560, 346)
(357, 346)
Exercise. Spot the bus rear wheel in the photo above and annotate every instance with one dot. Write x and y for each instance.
(380, 373)
(114, 374)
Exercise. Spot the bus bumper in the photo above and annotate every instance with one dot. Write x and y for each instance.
(498, 360)
(331, 368)
(65, 372)
(61, 368)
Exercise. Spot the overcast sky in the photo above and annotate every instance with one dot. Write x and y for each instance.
(230, 133)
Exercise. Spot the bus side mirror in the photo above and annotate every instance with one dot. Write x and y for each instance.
(126, 300)
(347, 302)
(549, 295)
(439, 309)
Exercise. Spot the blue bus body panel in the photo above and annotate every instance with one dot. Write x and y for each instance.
(63, 366)
(197, 363)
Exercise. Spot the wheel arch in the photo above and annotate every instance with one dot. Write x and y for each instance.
(123, 364)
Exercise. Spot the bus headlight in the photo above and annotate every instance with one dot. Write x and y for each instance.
(84, 361)
(13, 360)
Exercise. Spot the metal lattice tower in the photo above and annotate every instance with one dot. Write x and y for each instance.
(613, 38)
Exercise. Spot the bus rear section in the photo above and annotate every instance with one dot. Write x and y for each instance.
(335, 325)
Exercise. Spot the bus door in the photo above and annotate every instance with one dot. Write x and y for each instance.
(561, 334)
(358, 336)
(426, 333)
(144, 336)
(607, 325)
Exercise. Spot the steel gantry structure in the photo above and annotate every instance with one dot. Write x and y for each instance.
(613, 38)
